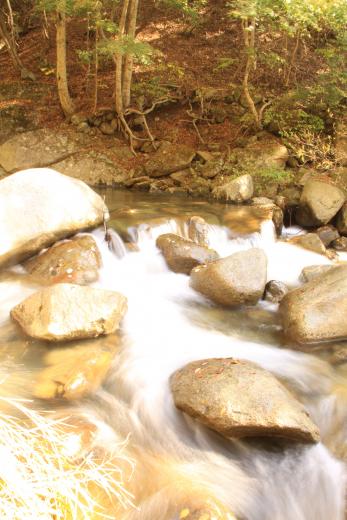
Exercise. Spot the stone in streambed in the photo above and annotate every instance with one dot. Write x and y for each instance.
(327, 234)
(312, 271)
(66, 311)
(275, 291)
(317, 311)
(237, 190)
(234, 280)
(239, 399)
(319, 203)
(183, 255)
(198, 230)
(39, 207)
(73, 261)
(340, 244)
(310, 241)
(77, 370)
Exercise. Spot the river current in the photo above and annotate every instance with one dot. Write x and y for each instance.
(180, 463)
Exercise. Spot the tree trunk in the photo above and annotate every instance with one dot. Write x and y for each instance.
(248, 29)
(11, 47)
(63, 90)
(119, 63)
(128, 60)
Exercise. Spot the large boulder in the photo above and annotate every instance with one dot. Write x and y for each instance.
(93, 168)
(39, 207)
(183, 255)
(66, 311)
(240, 399)
(235, 280)
(36, 149)
(169, 158)
(73, 261)
(237, 190)
(317, 310)
(263, 153)
(319, 203)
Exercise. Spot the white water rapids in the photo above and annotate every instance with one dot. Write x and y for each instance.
(168, 325)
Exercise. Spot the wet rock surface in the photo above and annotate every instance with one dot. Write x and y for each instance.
(240, 399)
(76, 370)
(312, 271)
(39, 207)
(73, 261)
(310, 241)
(66, 311)
(317, 310)
(183, 255)
(235, 280)
(275, 291)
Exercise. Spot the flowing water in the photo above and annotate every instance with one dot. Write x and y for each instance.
(179, 463)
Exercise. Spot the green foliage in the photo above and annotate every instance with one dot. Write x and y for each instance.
(224, 63)
(287, 122)
(273, 175)
(150, 90)
(189, 9)
(142, 52)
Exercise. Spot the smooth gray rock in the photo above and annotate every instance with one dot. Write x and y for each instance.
(317, 311)
(235, 280)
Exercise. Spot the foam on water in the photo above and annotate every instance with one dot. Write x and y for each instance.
(299, 483)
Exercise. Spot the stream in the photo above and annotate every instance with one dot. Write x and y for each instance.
(180, 463)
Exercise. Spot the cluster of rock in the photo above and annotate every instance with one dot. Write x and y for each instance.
(37, 208)
(233, 397)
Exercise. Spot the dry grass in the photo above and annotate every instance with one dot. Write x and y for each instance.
(44, 476)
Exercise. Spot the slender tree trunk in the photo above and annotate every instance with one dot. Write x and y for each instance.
(293, 58)
(63, 90)
(128, 60)
(248, 29)
(11, 47)
(119, 63)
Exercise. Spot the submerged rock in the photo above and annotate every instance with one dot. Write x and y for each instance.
(317, 310)
(75, 371)
(74, 261)
(247, 219)
(183, 255)
(66, 311)
(39, 207)
(235, 280)
(237, 190)
(319, 203)
(240, 399)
